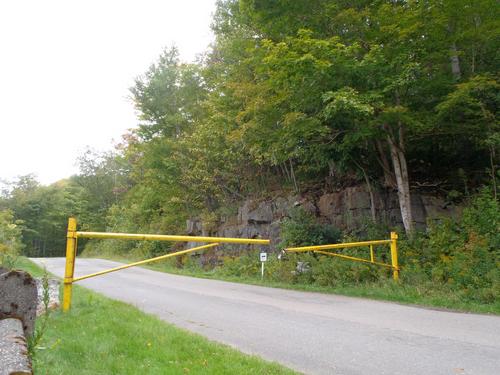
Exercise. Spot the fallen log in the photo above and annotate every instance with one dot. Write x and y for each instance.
(18, 299)
(14, 358)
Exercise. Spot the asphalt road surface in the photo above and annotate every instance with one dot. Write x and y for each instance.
(310, 332)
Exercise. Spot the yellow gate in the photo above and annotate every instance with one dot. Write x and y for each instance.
(393, 243)
(73, 235)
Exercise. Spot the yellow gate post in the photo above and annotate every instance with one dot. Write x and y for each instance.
(394, 255)
(70, 263)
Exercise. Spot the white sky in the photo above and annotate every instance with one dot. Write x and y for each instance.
(66, 67)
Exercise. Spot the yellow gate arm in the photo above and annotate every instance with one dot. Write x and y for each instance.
(337, 246)
(163, 237)
(145, 261)
(73, 235)
(353, 258)
(320, 249)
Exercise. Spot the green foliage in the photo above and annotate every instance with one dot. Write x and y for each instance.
(42, 321)
(302, 229)
(102, 181)
(244, 266)
(10, 239)
(43, 212)
(462, 256)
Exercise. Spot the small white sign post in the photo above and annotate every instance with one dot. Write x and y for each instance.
(263, 259)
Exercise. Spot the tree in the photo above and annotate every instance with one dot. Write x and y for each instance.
(168, 97)
(10, 239)
(471, 112)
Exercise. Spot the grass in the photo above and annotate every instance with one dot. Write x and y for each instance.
(103, 336)
(425, 295)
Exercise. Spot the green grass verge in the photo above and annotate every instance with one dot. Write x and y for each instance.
(103, 336)
(428, 296)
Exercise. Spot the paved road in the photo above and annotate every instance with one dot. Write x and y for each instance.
(310, 332)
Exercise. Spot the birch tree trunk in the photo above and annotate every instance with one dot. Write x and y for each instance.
(455, 62)
(292, 173)
(402, 182)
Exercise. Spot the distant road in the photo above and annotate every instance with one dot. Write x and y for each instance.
(310, 332)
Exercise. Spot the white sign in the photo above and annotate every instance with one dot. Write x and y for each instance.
(263, 257)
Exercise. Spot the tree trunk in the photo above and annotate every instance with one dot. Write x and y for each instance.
(292, 173)
(493, 170)
(14, 358)
(370, 191)
(372, 198)
(384, 163)
(331, 168)
(403, 183)
(455, 62)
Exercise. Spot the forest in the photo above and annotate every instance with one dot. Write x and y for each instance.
(298, 95)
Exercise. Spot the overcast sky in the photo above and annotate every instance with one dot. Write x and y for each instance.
(66, 67)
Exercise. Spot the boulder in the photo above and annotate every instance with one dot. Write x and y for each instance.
(274, 234)
(253, 212)
(436, 208)
(18, 298)
(281, 207)
(193, 227)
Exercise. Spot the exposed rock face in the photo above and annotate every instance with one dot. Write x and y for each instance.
(253, 212)
(345, 209)
(193, 226)
(18, 298)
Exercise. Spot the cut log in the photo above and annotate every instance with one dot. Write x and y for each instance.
(14, 358)
(18, 299)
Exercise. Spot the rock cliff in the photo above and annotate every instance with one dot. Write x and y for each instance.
(347, 209)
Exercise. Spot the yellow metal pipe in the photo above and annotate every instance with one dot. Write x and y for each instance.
(145, 261)
(338, 246)
(70, 263)
(353, 258)
(372, 255)
(394, 255)
(161, 237)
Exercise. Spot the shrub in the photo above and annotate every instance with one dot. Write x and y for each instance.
(302, 229)
(10, 239)
(460, 256)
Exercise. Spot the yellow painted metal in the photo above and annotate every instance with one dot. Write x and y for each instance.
(352, 258)
(161, 237)
(394, 255)
(161, 257)
(70, 263)
(338, 246)
(73, 235)
(392, 242)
